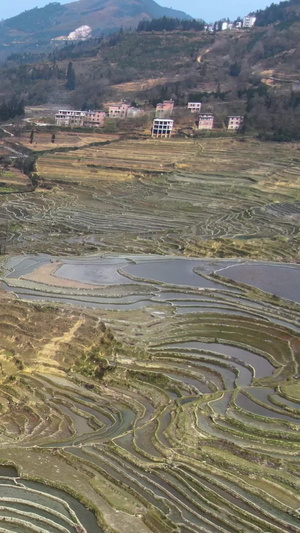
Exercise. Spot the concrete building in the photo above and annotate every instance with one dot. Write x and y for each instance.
(228, 26)
(94, 119)
(206, 121)
(162, 127)
(118, 111)
(249, 21)
(133, 112)
(73, 118)
(69, 118)
(195, 107)
(235, 122)
(165, 109)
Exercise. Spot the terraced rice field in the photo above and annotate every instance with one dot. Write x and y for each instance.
(220, 198)
(186, 419)
(140, 390)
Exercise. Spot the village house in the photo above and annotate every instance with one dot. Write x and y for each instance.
(249, 21)
(206, 121)
(162, 127)
(73, 118)
(235, 122)
(133, 112)
(94, 119)
(195, 107)
(228, 26)
(69, 118)
(118, 111)
(165, 109)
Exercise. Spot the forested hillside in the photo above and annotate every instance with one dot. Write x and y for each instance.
(285, 13)
(254, 72)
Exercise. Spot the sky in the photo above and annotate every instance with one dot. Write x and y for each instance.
(209, 11)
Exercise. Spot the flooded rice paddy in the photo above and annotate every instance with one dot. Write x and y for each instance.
(193, 425)
(275, 278)
(31, 506)
(281, 280)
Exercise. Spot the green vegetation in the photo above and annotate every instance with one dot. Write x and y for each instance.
(284, 13)
(170, 24)
(11, 109)
(71, 77)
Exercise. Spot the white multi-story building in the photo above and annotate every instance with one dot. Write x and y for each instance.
(74, 118)
(206, 121)
(235, 122)
(249, 21)
(69, 118)
(195, 107)
(162, 127)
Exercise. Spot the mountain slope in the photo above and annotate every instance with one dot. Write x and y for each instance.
(286, 13)
(55, 20)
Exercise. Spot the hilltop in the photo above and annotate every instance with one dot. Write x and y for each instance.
(40, 25)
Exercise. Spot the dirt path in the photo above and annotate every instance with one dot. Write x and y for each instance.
(48, 352)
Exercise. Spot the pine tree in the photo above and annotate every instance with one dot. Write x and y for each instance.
(71, 77)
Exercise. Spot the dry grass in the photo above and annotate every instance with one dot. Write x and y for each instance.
(12, 179)
(141, 85)
(63, 139)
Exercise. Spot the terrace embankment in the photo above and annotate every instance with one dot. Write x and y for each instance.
(209, 197)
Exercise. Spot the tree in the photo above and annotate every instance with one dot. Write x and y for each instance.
(234, 69)
(71, 77)
(31, 137)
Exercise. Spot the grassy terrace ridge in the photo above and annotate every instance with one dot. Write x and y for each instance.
(161, 406)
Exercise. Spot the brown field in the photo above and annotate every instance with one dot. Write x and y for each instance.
(122, 158)
(223, 157)
(63, 139)
(141, 85)
(12, 179)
